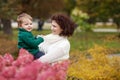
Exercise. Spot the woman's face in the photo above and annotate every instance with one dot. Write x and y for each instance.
(56, 29)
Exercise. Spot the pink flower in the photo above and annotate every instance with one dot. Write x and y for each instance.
(47, 75)
(2, 64)
(8, 59)
(2, 78)
(8, 72)
(29, 71)
(61, 75)
(24, 58)
(26, 68)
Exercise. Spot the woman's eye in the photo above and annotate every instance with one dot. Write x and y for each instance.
(54, 26)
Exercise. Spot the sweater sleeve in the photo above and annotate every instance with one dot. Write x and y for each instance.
(32, 41)
(53, 55)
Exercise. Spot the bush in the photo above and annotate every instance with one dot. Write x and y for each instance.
(25, 68)
(7, 45)
(99, 65)
(81, 20)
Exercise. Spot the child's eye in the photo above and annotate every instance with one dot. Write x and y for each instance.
(30, 23)
(26, 24)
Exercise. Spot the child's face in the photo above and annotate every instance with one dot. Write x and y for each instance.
(27, 25)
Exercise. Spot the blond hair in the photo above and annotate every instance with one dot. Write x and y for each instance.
(22, 17)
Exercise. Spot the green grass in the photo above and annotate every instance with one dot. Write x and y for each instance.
(82, 41)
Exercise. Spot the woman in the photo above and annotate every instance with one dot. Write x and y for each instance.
(56, 45)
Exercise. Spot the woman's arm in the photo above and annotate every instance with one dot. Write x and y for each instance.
(52, 55)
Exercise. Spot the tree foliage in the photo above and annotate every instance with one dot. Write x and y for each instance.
(8, 9)
(69, 5)
(7, 12)
(36, 8)
(42, 8)
(80, 18)
(101, 10)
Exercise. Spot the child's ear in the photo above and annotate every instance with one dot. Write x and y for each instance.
(19, 25)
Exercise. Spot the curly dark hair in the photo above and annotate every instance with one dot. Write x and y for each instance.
(65, 23)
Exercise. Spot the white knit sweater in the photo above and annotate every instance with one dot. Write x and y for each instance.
(55, 47)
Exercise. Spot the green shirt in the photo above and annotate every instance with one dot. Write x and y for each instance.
(27, 41)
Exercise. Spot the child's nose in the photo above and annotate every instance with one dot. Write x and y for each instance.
(30, 25)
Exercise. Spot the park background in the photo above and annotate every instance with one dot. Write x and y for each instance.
(95, 44)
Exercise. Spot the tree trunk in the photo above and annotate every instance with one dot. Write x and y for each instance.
(118, 28)
(7, 29)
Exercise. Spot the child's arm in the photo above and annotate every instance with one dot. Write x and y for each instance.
(32, 41)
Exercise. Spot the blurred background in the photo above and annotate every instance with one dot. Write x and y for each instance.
(97, 31)
(82, 11)
(98, 22)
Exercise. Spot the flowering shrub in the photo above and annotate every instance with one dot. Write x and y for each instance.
(26, 68)
(98, 65)
(80, 18)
